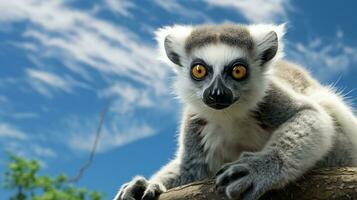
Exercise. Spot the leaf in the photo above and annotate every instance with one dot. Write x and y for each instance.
(21, 177)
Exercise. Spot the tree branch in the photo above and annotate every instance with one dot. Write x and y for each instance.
(321, 184)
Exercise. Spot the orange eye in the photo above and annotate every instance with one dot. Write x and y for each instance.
(199, 71)
(239, 72)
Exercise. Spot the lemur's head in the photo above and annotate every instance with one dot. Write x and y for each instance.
(220, 66)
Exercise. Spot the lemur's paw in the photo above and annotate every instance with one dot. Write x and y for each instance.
(139, 189)
(249, 177)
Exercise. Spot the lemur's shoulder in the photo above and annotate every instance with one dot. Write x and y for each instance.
(294, 76)
(278, 106)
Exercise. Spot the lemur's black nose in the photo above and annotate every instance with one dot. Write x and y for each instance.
(218, 96)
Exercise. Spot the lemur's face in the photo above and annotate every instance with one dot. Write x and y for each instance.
(220, 66)
(219, 75)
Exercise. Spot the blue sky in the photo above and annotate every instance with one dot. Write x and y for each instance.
(60, 62)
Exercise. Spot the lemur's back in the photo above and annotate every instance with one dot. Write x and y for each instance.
(295, 76)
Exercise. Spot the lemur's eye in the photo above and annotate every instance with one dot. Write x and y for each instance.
(199, 71)
(239, 72)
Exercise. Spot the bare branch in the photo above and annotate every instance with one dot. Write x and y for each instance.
(87, 164)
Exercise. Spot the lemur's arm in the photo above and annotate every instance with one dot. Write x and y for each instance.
(188, 166)
(302, 136)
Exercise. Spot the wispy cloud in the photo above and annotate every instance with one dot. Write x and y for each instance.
(327, 58)
(121, 7)
(85, 43)
(127, 97)
(41, 79)
(176, 7)
(256, 11)
(15, 141)
(44, 82)
(77, 37)
(8, 131)
(89, 46)
(82, 133)
(110, 140)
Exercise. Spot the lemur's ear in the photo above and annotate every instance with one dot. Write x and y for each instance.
(268, 41)
(171, 42)
(268, 47)
(170, 50)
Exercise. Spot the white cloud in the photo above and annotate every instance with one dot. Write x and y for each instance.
(89, 46)
(116, 133)
(175, 7)
(256, 11)
(49, 79)
(26, 45)
(69, 34)
(8, 131)
(74, 36)
(326, 58)
(43, 82)
(120, 7)
(15, 141)
(110, 140)
(129, 97)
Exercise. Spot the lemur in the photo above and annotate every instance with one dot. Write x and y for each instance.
(251, 120)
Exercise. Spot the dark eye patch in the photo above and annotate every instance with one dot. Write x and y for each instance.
(227, 70)
(234, 62)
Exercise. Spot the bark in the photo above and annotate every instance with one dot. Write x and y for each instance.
(329, 183)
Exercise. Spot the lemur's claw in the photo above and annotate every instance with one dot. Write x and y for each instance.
(139, 189)
(247, 178)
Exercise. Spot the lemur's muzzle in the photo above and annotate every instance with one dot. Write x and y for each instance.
(217, 95)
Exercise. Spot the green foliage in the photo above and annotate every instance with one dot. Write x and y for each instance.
(22, 177)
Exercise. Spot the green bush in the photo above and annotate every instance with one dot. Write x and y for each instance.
(21, 176)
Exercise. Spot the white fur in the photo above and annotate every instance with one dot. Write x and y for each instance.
(226, 137)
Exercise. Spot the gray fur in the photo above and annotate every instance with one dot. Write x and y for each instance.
(230, 34)
(193, 157)
(194, 153)
(276, 108)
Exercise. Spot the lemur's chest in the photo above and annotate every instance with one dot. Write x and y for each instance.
(224, 141)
